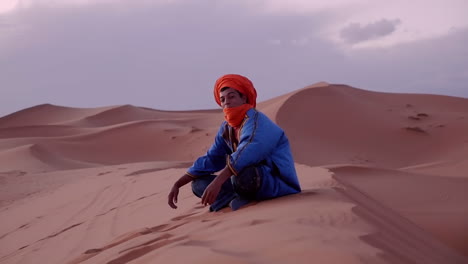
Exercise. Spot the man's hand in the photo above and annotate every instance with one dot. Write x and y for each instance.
(211, 192)
(172, 197)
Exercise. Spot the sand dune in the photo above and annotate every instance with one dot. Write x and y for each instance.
(383, 177)
(34, 158)
(445, 167)
(138, 141)
(433, 204)
(47, 114)
(41, 131)
(343, 124)
(167, 136)
(129, 113)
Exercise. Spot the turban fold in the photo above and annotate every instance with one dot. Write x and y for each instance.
(239, 83)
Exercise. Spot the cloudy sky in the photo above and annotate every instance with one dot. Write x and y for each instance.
(168, 54)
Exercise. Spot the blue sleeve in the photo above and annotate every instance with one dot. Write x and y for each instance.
(259, 137)
(215, 158)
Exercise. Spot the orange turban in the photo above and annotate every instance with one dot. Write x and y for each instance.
(239, 83)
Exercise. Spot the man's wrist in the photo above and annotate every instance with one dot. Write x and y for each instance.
(223, 176)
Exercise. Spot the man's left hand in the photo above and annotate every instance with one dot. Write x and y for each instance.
(211, 192)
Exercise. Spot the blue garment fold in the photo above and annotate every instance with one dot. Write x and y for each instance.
(226, 194)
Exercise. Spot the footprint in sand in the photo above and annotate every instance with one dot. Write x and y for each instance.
(23, 247)
(110, 210)
(177, 218)
(119, 240)
(174, 227)
(211, 222)
(143, 250)
(258, 222)
(104, 173)
(24, 226)
(17, 229)
(139, 172)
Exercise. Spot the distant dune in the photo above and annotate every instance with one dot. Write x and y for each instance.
(384, 178)
(341, 124)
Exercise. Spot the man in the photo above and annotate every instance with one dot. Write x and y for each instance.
(249, 149)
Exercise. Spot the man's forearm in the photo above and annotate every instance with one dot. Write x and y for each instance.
(183, 180)
(223, 175)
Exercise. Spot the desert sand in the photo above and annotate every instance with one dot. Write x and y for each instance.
(384, 179)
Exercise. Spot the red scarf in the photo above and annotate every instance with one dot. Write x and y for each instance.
(235, 115)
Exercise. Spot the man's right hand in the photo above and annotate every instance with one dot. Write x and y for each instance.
(172, 197)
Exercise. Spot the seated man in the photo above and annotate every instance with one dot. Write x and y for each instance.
(249, 149)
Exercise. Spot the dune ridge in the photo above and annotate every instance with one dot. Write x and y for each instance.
(47, 114)
(407, 226)
(371, 120)
(384, 180)
(109, 143)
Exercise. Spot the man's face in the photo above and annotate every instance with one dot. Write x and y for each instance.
(231, 98)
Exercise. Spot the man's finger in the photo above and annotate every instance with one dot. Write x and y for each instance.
(176, 194)
(212, 199)
(171, 204)
(203, 199)
(207, 198)
(171, 198)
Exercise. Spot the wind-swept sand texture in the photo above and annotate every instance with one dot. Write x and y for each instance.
(384, 180)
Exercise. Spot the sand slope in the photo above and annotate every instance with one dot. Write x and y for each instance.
(342, 124)
(384, 180)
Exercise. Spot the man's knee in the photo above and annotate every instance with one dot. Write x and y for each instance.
(198, 188)
(199, 184)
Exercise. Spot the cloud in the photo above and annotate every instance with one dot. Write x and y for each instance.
(355, 33)
(162, 56)
(167, 55)
(7, 5)
(436, 66)
(4, 24)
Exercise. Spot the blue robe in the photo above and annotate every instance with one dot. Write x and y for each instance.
(262, 143)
